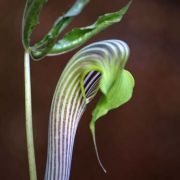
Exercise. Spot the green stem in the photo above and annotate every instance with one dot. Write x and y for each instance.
(28, 112)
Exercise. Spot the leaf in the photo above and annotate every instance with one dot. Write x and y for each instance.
(30, 19)
(78, 36)
(118, 94)
(60, 24)
(98, 66)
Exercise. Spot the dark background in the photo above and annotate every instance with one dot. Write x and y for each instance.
(140, 140)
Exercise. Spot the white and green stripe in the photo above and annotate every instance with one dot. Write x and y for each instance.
(69, 103)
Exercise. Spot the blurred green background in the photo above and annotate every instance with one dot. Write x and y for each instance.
(139, 141)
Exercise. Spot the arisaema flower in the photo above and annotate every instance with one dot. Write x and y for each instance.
(99, 66)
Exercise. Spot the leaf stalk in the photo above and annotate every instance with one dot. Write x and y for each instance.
(28, 114)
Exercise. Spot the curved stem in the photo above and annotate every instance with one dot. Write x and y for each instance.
(28, 112)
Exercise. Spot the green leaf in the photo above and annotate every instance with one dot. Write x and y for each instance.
(119, 93)
(78, 36)
(30, 19)
(60, 24)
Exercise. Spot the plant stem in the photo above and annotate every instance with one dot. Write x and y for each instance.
(28, 112)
